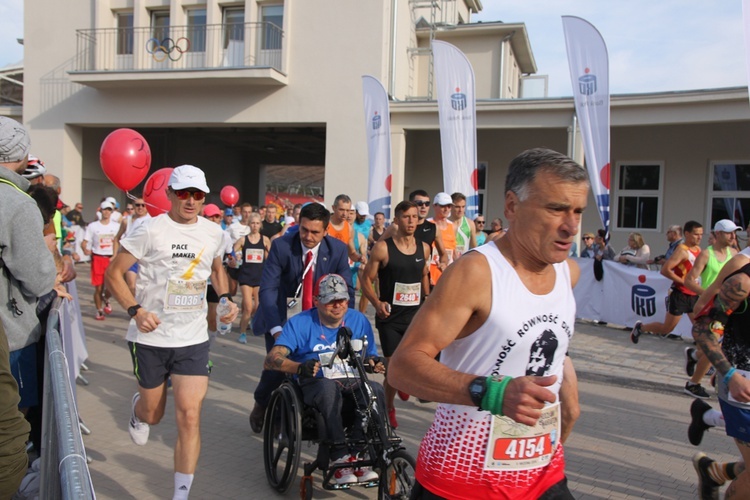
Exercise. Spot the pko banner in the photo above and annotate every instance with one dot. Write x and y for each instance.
(589, 75)
(378, 131)
(624, 295)
(454, 85)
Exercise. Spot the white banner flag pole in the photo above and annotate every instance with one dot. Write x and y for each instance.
(589, 75)
(454, 84)
(378, 130)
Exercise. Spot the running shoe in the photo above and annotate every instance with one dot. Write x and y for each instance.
(690, 362)
(392, 418)
(708, 489)
(344, 475)
(99, 316)
(672, 336)
(636, 332)
(138, 430)
(107, 308)
(696, 390)
(403, 396)
(242, 339)
(364, 474)
(697, 425)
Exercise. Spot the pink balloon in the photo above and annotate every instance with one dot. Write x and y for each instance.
(155, 192)
(125, 157)
(229, 195)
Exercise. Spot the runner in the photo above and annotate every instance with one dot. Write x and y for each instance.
(727, 311)
(400, 263)
(271, 228)
(340, 228)
(127, 226)
(504, 346)
(443, 205)
(252, 249)
(99, 243)
(463, 227)
(213, 213)
(177, 252)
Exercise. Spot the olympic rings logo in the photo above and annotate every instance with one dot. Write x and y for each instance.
(167, 48)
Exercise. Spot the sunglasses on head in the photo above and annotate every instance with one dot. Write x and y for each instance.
(139, 205)
(422, 203)
(184, 194)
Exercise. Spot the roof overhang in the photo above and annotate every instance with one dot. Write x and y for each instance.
(516, 33)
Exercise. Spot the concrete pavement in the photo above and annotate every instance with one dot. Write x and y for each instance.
(630, 441)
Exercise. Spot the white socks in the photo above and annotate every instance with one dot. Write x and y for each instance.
(211, 336)
(713, 418)
(182, 484)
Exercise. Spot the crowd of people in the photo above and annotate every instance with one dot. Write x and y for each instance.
(491, 359)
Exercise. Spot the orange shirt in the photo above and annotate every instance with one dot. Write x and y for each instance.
(344, 234)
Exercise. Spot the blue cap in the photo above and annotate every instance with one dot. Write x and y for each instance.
(228, 211)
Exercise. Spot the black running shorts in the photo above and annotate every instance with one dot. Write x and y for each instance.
(680, 303)
(152, 365)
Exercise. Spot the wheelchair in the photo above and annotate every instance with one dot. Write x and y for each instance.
(288, 422)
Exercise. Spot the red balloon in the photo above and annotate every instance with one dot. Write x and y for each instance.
(155, 192)
(229, 195)
(125, 158)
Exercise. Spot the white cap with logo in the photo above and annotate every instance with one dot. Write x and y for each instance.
(188, 176)
(443, 199)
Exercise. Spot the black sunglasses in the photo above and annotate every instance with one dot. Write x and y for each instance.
(422, 203)
(140, 204)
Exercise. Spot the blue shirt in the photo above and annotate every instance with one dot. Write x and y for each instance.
(363, 229)
(306, 338)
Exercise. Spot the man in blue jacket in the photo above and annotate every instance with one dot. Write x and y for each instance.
(290, 272)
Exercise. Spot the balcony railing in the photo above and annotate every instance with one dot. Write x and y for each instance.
(180, 48)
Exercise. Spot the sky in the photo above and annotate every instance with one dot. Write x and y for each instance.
(654, 45)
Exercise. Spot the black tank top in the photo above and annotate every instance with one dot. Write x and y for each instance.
(251, 269)
(736, 343)
(426, 232)
(401, 280)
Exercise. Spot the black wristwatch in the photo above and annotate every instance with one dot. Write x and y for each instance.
(133, 310)
(477, 389)
(227, 295)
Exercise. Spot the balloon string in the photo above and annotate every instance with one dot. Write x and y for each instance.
(127, 193)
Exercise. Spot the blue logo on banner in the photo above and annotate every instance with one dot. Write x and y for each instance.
(643, 300)
(458, 100)
(376, 121)
(381, 205)
(587, 84)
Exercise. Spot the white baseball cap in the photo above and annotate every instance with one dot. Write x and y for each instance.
(726, 226)
(443, 199)
(188, 176)
(106, 204)
(362, 208)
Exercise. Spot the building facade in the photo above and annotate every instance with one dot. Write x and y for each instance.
(236, 87)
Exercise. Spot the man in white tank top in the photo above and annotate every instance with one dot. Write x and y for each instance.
(507, 391)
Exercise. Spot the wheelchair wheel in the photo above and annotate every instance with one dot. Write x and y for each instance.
(397, 480)
(282, 437)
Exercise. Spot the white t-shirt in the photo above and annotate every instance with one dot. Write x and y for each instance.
(100, 238)
(132, 225)
(237, 231)
(174, 267)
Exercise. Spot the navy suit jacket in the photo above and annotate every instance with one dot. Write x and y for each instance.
(282, 273)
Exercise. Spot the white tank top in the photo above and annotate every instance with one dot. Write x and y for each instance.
(525, 334)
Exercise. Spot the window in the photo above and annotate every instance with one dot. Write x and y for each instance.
(234, 25)
(124, 33)
(160, 25)
(196, 32)
(639, 191)
(272, 17)
(482, 187)
(729, 194)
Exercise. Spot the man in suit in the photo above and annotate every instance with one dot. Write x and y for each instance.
(290, 272)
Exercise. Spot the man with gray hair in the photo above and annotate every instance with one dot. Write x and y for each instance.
(674, 237)
(503, 346)
(27, 269)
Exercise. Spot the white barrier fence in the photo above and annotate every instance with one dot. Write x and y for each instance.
(624, 295)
